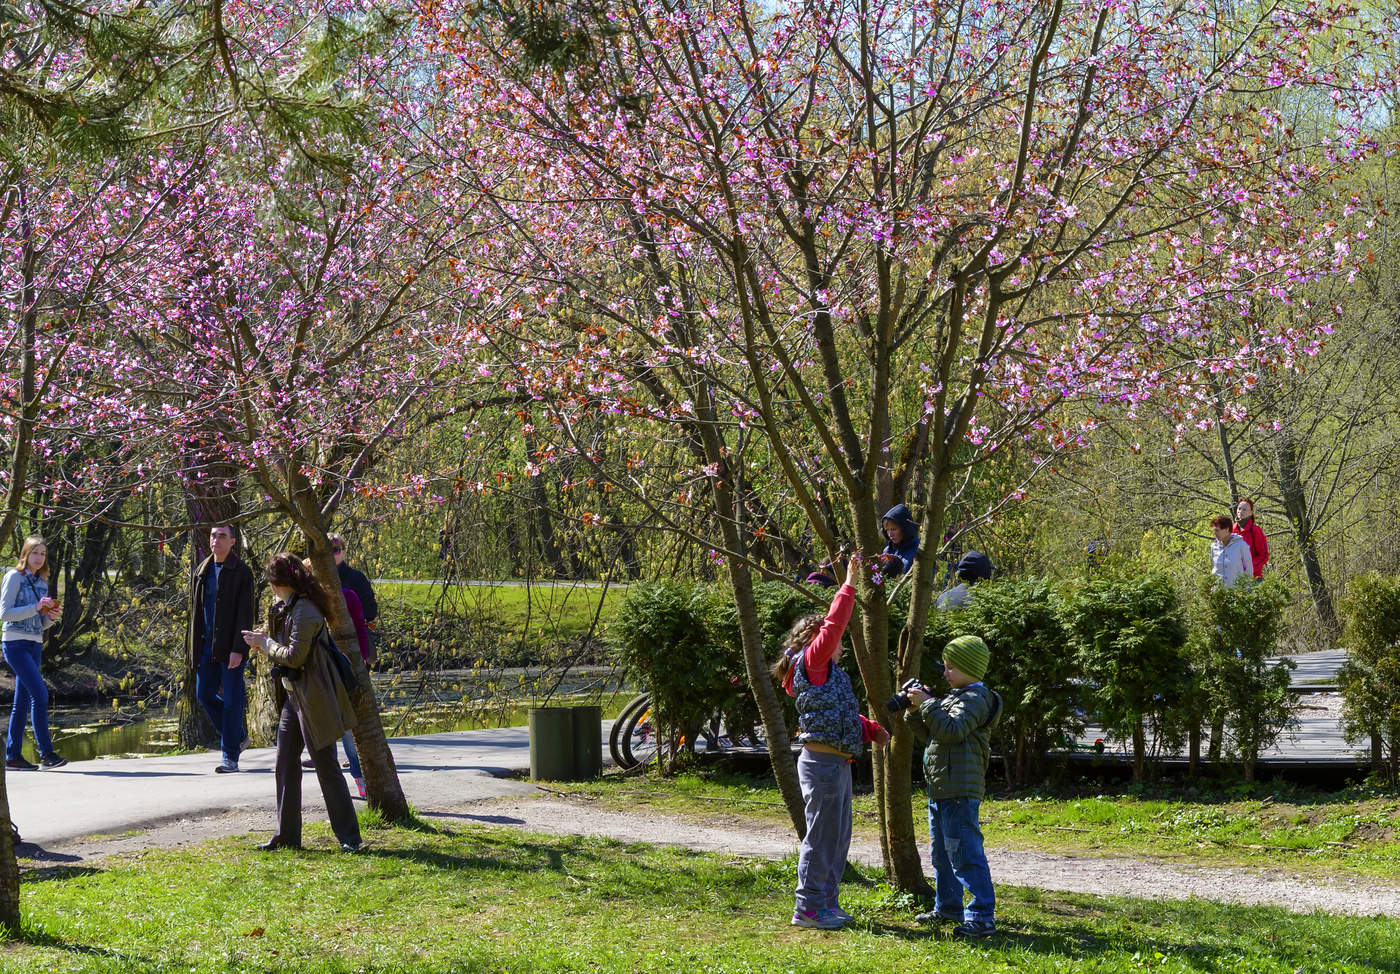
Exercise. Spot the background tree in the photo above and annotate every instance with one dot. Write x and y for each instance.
(891, 238)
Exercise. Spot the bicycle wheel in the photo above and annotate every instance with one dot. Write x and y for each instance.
(641, 738)
(615, 735)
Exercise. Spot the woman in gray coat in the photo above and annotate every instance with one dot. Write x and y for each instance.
(317, 709)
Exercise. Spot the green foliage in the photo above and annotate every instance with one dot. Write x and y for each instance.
(1129, 634)
(1032, 668)
(1236, 629)
(1370, 679)
(665, 641)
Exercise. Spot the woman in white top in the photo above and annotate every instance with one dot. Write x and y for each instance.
(1230, 559)
(27, 610)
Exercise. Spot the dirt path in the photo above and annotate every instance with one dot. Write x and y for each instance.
(737, 837)
(1120, 876)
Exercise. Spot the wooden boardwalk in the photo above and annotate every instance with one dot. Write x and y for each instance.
(1316, 737)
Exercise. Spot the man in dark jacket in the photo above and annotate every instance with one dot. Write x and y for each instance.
(354, 580)
(973, 567)
(221, 607)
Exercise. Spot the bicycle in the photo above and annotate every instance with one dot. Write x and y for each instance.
(636, 739)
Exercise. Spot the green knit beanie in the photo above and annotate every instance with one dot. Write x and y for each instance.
(968, 654)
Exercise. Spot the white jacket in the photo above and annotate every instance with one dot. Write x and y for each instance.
(1231, 561)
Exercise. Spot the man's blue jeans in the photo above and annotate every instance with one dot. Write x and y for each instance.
(210, 681)
(31, 697)
(958, 860)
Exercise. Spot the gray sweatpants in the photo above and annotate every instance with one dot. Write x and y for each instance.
(826, 796)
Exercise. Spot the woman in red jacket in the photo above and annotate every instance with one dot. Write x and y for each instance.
(1246, 527)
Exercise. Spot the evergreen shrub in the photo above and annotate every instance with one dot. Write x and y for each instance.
(1235, 629)
(1129, 634)
(1370, 679)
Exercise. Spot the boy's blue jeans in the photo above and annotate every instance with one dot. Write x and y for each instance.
(826, 796)
(31, 697)
(958, 860)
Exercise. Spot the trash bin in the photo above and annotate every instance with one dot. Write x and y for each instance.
(566, 743)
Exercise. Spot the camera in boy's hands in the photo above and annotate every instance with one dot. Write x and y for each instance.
(900, 701)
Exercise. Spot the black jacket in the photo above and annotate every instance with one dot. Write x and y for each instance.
(233, 610)
(355, 581)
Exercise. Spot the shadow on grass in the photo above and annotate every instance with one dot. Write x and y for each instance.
(515, 856)
(47, 874)
(33, 852)
(39, 938)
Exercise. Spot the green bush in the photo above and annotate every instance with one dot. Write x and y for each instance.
(1129, 634)
(665, 639)
(1032, 667)
(1236, 629)
(1370, 679)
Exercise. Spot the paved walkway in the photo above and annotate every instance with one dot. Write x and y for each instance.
(113, 796)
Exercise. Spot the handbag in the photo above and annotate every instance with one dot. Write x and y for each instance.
(339, 663)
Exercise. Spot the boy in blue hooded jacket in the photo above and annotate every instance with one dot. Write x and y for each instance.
(902, 537)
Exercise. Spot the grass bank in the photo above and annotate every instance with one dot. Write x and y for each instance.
(1353, 832)
(465, 897)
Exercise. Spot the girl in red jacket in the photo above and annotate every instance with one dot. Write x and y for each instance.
(1246, 527)
(832, 732)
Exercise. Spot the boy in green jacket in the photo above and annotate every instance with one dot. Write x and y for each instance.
(959, 728)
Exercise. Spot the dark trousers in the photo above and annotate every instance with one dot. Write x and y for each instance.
(220, 692)
(341, 812)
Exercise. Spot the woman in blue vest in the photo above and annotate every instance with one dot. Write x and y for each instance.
(27, 610)
(833, 732)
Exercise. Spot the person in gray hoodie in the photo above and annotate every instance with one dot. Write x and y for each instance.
(1230, 559)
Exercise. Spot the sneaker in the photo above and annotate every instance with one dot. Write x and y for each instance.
(50, 761)
(360, 784)
(817, 920)
(933, 916)
(975, 929)
(20, 764)
(226, 767)
(846, 917)
(351, 847)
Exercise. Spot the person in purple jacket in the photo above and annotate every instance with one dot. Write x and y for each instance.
(352, 753)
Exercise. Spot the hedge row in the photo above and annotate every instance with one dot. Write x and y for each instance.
(1124, 652)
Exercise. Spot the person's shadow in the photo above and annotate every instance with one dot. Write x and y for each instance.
(37, 854)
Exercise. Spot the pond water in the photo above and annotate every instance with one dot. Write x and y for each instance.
(84, 734)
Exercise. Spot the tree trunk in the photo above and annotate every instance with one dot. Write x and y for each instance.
(1295, 504)
(544, 523)
(382, 786)
(1139, 753)
(893, 763)
(751, 640)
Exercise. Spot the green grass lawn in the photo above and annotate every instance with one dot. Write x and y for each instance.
(1348, 833)
(460, 896)
(542, 610)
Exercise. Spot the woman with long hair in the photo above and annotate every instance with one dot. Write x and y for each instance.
(316, 710)
(833, 732)
(27, 611)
